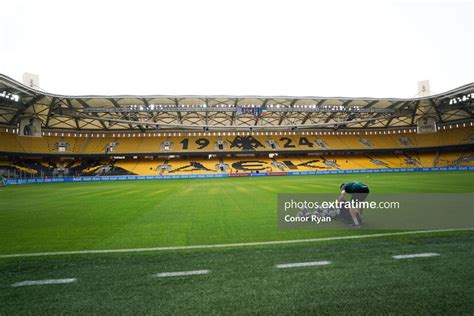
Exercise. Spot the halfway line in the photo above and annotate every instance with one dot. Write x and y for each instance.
(244, 244)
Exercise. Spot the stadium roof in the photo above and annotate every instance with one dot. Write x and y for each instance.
(226, 112)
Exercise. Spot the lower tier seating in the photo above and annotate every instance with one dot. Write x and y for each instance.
(55, 167)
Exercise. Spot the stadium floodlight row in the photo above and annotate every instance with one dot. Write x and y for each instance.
(226, 113)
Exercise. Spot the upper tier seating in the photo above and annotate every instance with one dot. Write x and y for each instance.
(12, 143)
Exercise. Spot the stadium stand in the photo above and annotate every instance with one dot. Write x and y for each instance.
(181, 135)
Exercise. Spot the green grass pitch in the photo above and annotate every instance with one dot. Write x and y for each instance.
(132, 214)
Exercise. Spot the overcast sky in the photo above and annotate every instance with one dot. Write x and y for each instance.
(330, 48)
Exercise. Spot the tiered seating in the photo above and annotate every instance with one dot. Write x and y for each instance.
(11, 169)
(455, 159)
(250, 164)
(309, 163)
(10, 143)
(246, 143)
(138, 166)
(202, 165)
(97, 145)
(167, 155)
(193, 165)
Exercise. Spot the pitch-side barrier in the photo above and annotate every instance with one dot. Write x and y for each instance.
(225, 175)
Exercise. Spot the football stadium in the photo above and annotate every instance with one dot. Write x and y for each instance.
(132, 204)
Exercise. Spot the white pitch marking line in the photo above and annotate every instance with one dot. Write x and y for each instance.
(44, 282)
(243, 244)
(416, 255)
(181, 273)
(302, 264)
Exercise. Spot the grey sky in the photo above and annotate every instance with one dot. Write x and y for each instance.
(328, 48)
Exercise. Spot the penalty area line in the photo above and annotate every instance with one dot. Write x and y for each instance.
(180, 273)
(234, 245)
(44, 282)
(302, 264)
(416, 255)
